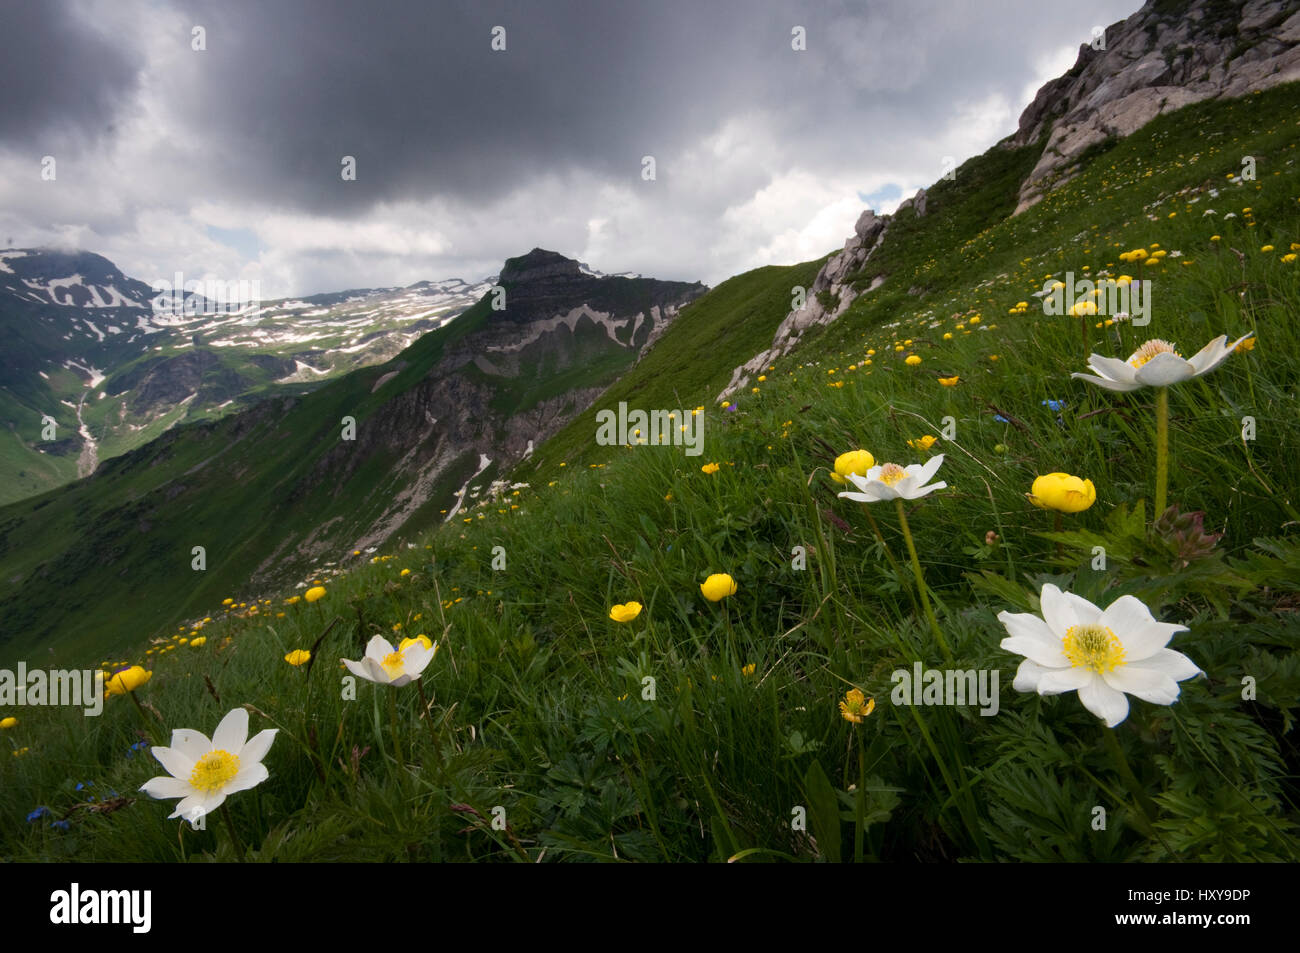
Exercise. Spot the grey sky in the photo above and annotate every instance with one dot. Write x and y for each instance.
(226, 161)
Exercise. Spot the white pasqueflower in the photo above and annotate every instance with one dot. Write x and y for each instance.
(1101, 654)
(203, 773)
(387, 665)
(1157, 364)
(889, 481)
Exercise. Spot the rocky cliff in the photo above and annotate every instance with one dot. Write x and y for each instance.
(1163, 57)
(1167, 55)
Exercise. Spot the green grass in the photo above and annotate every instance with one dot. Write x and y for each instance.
(540, 706)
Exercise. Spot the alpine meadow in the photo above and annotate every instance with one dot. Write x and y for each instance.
(976, 539)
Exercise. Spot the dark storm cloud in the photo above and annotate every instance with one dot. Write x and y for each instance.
(61, 80)
(466, 156)
(414, 91)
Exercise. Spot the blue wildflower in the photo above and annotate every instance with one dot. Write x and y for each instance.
(1000, 419)
(1053, 404)
(61, 825)
(38, 814)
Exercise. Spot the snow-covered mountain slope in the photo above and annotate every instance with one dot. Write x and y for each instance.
(96, 363)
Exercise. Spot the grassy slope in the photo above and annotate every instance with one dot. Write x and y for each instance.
(114, 531)
(692, 361)
(542, 705)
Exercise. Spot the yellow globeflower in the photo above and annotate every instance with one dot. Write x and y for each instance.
(420, 639)
(198, 643)
(298, 657)
(718, 586)
(855, 461)
(856, 706)
(127, 680)
(710, 468)
(923, 443)
(10, 722)
(1063, 493)
(749, 669)
(314, 593)
(912, 360)
(626, 612)
(949, 381)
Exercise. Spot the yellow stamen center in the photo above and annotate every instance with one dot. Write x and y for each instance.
(214, 771)
(1151, 349)
(1094, 647)
(891, 473)
(393, 664)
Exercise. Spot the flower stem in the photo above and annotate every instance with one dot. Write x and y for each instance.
(398, 755)
(235, 842)
(1145, 805)
(433, 729)
(1162, 451)
(889, 554)
(1060, 550)
(920, 580)
(149, 725)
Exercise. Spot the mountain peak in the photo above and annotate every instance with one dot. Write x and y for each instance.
(539, 264)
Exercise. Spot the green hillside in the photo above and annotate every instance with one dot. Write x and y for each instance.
(708, 731)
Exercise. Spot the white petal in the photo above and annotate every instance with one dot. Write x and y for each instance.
(1063, 610)
(197, 805)
(378, 648)
(256, 748)
(1108, 384)
(1126, 614)
(1208, 357)
(247, 777)
(189, 808)
(1065, 680)
(1143, 643)
(163, 787)
(919, 492)
(857, 480)
(1174, 664)
(1028, 635)
(376, 672)
(927, 470)
(192, 744)
(416, 658)
(1147, 684)
(857, 497)
(1164, 370)
(1028, 675)
(1108, 704)
(1112, 368)
(1131, 621)
(175, 763)
(358, 669)
(232, 732)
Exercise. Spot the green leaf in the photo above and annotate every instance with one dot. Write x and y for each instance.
(823, 812)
